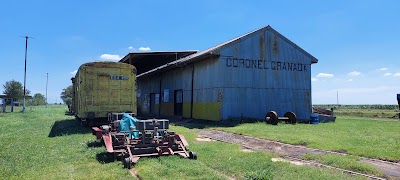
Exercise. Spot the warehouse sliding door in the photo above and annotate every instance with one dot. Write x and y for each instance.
(152, 103)
(178, 102)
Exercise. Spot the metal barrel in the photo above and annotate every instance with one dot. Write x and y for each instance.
(314, 118)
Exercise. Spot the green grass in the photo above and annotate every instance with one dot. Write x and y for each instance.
(46, 144)
(368, 137)
(217, 160)
(371, 113)
(359, 106)
(43, 143)
(345, 162)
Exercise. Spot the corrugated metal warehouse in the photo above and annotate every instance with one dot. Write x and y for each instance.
(242, 78)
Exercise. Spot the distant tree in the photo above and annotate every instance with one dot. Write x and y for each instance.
(14, 89)
(66, 95)
(38, 99)
(68, 101)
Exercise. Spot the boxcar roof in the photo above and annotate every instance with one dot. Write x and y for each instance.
(108, 65)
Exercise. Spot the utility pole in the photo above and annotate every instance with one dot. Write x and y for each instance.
(47, 80)
(26, 54)
(337, 97)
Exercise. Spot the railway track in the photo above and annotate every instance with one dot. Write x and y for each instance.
(332, 167)
(296, 152)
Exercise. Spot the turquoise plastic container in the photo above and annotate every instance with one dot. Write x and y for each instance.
(314, 118)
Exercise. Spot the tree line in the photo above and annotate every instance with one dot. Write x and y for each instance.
(15, 91)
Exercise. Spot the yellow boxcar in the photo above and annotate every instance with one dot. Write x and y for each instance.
(103, 87)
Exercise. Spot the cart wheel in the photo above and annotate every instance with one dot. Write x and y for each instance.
(271, 118)
(192, 155)
(127, 163)
(292, 117)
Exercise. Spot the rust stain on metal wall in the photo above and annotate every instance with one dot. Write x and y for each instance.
(275, 51)
(275, 45)
(262, 46)
(220, 99)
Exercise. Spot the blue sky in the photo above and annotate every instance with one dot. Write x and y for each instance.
(357, 43)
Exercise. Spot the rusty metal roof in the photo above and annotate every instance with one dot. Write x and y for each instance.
(214, 51)
(145, 61)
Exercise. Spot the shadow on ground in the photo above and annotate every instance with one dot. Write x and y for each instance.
(67, 113)
(67, 127)
(202, 124)
(94, 144)
(105, 157)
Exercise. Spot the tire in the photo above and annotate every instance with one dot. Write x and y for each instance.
(127, 163)
(192, 155)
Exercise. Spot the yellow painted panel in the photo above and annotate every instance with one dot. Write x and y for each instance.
(167, 109)
(207, 111)
(186, 110)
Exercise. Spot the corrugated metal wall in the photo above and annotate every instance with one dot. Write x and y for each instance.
(147, 86)
(178, 79)
(207, 87)
(205, 91)
(261, 73)
(258, 73)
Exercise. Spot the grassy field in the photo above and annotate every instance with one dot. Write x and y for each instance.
(43, 143)
(372, 111)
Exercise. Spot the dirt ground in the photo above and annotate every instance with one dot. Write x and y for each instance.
(390, 169)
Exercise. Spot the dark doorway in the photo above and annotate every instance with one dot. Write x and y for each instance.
(178, 102)
(152, 102)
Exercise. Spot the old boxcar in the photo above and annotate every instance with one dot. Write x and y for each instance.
(101, 88)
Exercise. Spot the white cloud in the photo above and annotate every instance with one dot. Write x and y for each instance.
(396, 74)
(387, 74)
(324, 75)
(111, 57)
(350, 80)
(130, 47)
(382, 69)
(354, 73)
(74, 72)
(144, 49)
(314, 79)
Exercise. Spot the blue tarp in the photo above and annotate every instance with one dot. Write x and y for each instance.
(126, 122)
